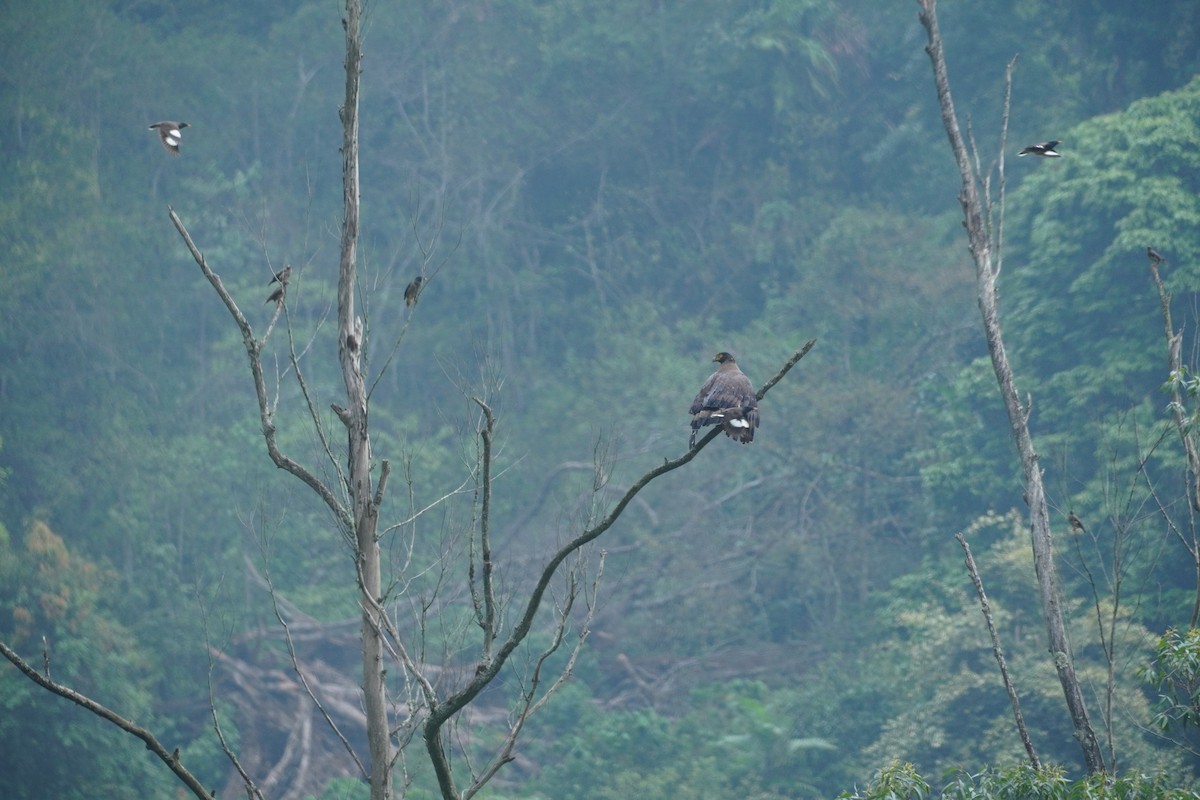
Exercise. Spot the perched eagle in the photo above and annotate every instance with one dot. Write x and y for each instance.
(1045, 149)
(413, 291)
(1153, 255)
(726, 399)
(283, 276)
(170, 134)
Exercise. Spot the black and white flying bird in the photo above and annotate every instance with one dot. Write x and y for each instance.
(1045, 149)
(170, 134)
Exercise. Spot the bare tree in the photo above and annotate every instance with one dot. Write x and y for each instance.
(1184, 389)
(984, 222)
(402, 693)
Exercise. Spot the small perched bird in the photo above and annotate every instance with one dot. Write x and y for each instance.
(413, 291)
(1153, 255)
(1045, 149)
(1076, 522)
(727, 399)
(170, 134)
(283, 276)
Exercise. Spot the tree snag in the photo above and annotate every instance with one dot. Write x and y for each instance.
(984, 237)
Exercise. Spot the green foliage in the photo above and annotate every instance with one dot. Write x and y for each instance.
(894, 782)
(1079, 229)
(59, 620)
(1175, 675)
(935, 687)
(1082, 320)
(741, 740)
(900, 781)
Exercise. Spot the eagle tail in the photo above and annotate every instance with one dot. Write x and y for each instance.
(740, 429)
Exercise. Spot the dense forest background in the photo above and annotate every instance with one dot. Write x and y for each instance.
(604, 195)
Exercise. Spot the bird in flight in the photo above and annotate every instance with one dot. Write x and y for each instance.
(170, 134)
(1045, 149)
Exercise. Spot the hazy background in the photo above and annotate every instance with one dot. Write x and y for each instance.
(609, 193)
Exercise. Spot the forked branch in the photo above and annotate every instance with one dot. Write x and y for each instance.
(253, 352)
(441, 713)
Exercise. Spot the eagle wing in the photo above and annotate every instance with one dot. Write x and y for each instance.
(727, 398)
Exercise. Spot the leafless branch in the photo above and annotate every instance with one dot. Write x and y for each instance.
(485, 606)
(171, 759)
(998, 652)
(291, 649)
(253, 349)
(441, 713)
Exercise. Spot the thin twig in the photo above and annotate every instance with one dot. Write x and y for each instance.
(998, 652)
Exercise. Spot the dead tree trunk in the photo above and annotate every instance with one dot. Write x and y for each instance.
(365, 499)
(1187, 434)
(984, 243)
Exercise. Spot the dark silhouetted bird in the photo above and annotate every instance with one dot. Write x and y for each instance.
(1076, 522)
(727, 399)
(1044, 149)
(1153, 255)
(283, 276)
(170, 134)
(277, 295)
(413, 291)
